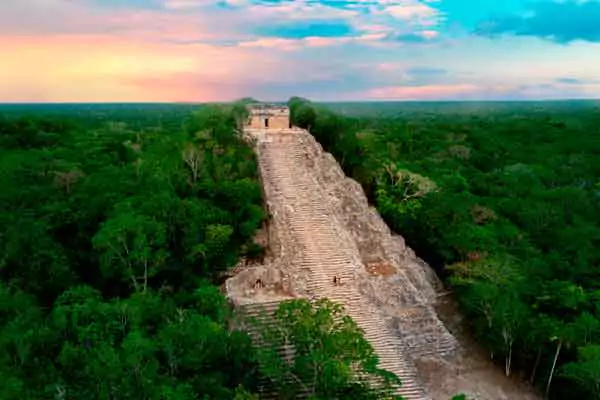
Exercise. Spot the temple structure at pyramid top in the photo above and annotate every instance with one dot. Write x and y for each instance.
(268, 116)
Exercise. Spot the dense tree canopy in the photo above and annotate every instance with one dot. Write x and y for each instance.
(112, 232)
(504, 200)
(318, 338)
(116, 223)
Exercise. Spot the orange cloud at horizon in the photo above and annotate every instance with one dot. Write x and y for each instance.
(112, 68)
(103, 68)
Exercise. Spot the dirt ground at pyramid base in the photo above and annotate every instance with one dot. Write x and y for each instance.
(472, 372)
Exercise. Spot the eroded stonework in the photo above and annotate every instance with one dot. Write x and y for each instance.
(321, 229)
(412, 287)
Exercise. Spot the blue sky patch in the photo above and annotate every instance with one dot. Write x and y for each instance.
(427, 71)
(558, 22)
(407, 38)
(307, 29)
(569, 81)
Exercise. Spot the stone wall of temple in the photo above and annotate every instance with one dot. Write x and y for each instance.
(267, 116)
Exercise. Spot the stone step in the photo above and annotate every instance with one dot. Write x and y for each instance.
(328, 241)
(282, 165)
(339, 297)
(306, 219)
(268, 306)
(324, 278)
(342, 269)
(442, 347)
(328, 260)
(306, 224)
(332, 290)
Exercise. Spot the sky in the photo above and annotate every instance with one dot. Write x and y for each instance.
(327, 50)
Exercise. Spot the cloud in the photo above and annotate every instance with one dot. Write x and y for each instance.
(415, 12)
(101, 68)
(296, 10)
(375, 23)
(426, 92)
(186, 4)
(292, 45)
(30, 17)
(406, 16)
(96, 68)
(561, 22)
(397, 19)
(469, 91)
(112, 4)
(200, 50)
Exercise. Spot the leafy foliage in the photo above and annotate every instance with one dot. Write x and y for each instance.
(116, 223)
(326, 355)
(503, 200)
(111, 236)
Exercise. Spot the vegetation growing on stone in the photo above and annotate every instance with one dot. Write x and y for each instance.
(325, 350)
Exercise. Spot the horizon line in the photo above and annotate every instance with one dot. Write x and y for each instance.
(314, 101)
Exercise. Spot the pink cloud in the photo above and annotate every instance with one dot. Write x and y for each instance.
(105, 68)
(30, 17)
(429, 34)
(289, 45)
(185, 4)
(413, 12)
(96, 68)
(390, 66)
(184, 23)
(410, 11)
(430, 92)
(273, 43)
(467, 91)
(372, 28)
(325, 41)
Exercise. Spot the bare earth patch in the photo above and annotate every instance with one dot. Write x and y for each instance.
(379, 268)
(471, 371)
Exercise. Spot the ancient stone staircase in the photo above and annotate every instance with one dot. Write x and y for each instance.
(262, 313)
(325, 254)
(432, 339)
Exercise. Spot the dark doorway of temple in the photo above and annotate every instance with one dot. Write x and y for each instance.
(266, 122)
